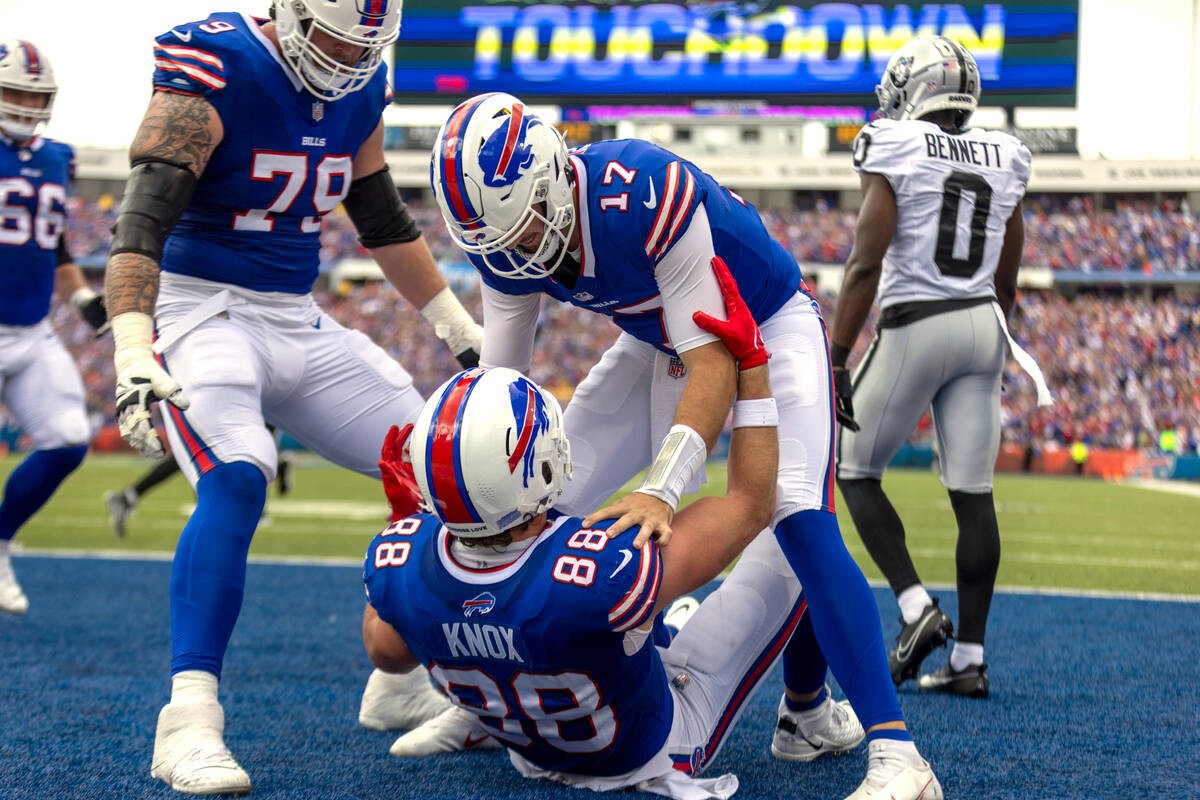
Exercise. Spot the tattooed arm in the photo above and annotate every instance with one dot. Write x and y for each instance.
(178, 130)
(169, 152)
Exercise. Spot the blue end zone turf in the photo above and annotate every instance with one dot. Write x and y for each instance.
(1091, 698)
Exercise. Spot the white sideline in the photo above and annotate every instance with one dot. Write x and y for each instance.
(312, 561)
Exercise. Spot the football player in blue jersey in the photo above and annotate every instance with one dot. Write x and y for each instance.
(39, 384)
(541, 631)
(627, 229)
(255, 130)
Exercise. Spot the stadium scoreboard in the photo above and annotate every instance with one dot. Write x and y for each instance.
(632, 51)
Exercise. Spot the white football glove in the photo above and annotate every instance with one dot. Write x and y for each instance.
(454, 326)
(140, 381)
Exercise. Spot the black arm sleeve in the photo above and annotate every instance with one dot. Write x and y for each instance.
(378, 213)
(156, 195)
(64, 255)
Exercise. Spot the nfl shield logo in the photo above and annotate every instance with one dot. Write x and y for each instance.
(676, 369)
(318, 111)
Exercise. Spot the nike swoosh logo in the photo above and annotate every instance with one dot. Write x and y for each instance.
(183, 37)
(904, 649)
(625, 556)
(472, 742)
(653, 201)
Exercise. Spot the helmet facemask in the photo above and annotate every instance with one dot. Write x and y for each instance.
(296, 22)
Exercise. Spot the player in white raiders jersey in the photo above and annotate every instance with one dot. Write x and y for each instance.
(541, 631)
(39, 384)
(255, 130)
(940, 234)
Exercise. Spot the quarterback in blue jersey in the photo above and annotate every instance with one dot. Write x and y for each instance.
(256, 129)
(39, 384)
(541, 631)
(628, 229)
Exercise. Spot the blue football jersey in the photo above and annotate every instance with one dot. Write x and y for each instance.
(636, 200)
(536, 648)
(33, 195)
(284, 161)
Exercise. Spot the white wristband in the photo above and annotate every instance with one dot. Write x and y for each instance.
(760, 413)
(82, 296)
(450, 321)
(133, 335)
(682, 453)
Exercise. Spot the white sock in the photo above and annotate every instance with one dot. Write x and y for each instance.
(5, 544)
(816, 719)
(193, 686)
(893, 749)
(913, 601)
(965, 654)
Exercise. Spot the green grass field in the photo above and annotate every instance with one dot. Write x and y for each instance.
(1056, 532)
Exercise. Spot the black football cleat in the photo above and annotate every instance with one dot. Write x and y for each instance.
(932, 629)
(971, 681)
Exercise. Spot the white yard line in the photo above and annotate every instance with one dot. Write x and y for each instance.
(122, 555)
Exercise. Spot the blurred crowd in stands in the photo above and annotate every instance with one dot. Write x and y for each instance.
(1064, 232)
(1124, 368)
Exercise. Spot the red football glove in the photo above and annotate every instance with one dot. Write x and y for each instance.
(399, 481)
(740, 332)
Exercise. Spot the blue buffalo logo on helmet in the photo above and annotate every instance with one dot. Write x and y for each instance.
(529, 411)
(479, 605)
(506, 154)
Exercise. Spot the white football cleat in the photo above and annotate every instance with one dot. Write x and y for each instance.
(453, 730)
(190, 753)
(12, 599)
(841, 733)
(890, 777)
(399, 702)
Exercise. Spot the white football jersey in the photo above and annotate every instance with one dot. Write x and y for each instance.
(954, 196)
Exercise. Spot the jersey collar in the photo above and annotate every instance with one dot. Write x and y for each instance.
(494, 574)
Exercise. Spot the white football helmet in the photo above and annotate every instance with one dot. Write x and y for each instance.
(489, 451)
(369, 24)
(24, 67)
(929, 73)
(496, 168)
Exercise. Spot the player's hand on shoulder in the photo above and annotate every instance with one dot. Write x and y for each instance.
(399, 481)
(651, 514)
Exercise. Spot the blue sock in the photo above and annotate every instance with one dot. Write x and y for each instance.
(804, 665)
(806, 705)
(209, 573)
(844, 615)
(896, 734)
(32, 482)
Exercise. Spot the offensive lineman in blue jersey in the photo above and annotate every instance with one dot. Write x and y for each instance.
(627, 229)
(39, 384)
(255, 130)
(541, 631)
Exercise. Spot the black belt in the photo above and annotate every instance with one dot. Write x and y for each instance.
(907, 313)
